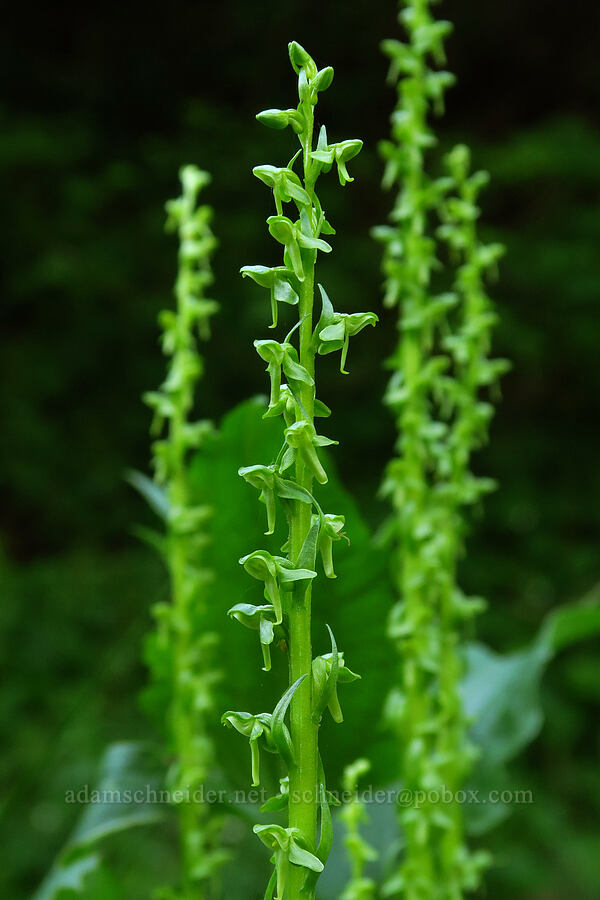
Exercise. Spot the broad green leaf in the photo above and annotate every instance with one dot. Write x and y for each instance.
(128, 771)
(501, 692)
(124, 796)
(68, 879)
(573, 622)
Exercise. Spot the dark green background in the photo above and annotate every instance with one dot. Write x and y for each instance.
(100, 106)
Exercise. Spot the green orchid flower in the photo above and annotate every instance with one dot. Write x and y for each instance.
(263, 478)
(332, 529)
(328, 154)
(253, 727)
(272, 485)
(277, 573)
(334, 330)
(260, 619)
(285, 185)
(289, 848)
(294, 236)
(328, 671)
(302, 437)
(282, 357)
(278, 281)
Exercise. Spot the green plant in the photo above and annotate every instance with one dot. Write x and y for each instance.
(298, 855)
(353, 814)
(440, 370)
(181, 652)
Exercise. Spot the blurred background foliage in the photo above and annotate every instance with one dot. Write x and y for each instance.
(100, 106)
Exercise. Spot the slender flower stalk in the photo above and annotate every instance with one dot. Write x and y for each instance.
(299, 850)
(439, 370)
(182, 649)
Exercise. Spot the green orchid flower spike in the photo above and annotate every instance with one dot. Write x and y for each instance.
(440, 374)
(298, 224)
(182, 651)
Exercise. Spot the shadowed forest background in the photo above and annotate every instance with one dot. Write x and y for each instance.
(100, 106)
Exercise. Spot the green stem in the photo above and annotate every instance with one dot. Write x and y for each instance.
(303, 774)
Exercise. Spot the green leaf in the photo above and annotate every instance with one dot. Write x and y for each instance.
(573, 622)
(308, 553)
(153, 494)
(289, 490)
(281, 735)
(301, 857)
(68, 879)
(292, 368)
(290, 573)
(326, 833)
(313, 243)
(502, 692)
(125, 769)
